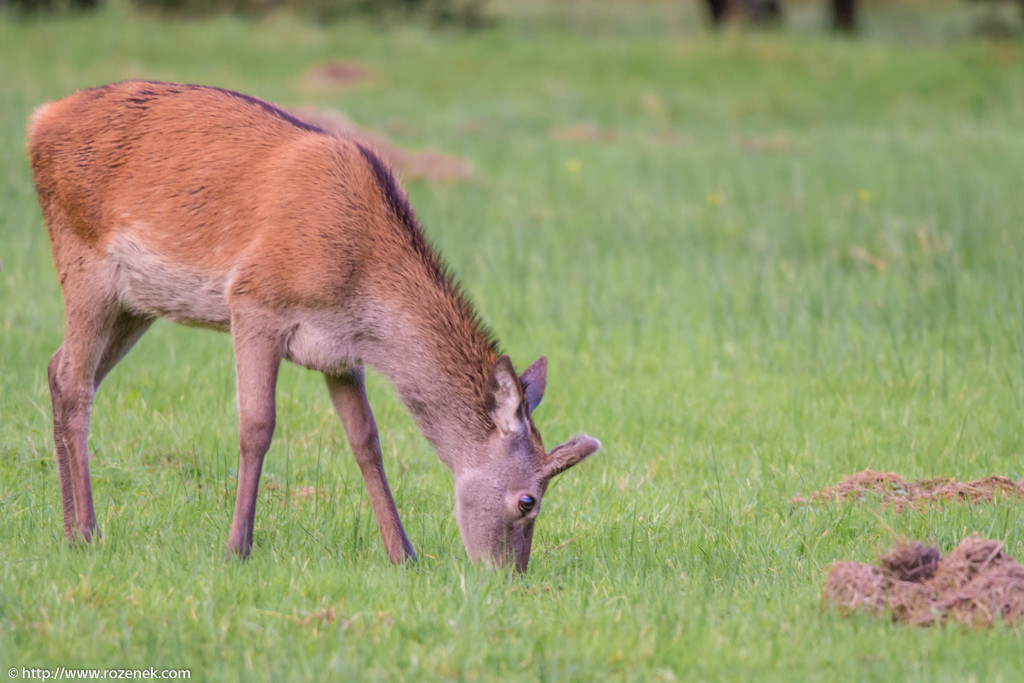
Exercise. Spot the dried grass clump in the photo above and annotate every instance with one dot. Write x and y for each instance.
(977, 584)
(890, 488)
(852, 585)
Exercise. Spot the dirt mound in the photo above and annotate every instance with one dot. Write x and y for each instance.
(778, 142)
(427, 164)
(891, 488)
(584, 132)
(337, 74)
(977, 584)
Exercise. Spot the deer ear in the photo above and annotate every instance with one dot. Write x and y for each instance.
(533, 379)
(568, 454)
(503, 398)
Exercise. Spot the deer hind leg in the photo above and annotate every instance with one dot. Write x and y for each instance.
(90, 342)
(258, 354)
(348, 393)
(67, 490)
(126, 330)
(91, 314)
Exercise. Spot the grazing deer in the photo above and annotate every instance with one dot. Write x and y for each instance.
(213, 208)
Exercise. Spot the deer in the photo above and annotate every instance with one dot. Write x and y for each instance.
(216, 209)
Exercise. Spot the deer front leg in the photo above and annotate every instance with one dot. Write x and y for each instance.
(257, 360)
(348, 393)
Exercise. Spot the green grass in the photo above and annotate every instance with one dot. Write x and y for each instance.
(795, 258)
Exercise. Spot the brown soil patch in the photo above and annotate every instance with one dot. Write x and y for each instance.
(337, 74)
(778, 142)
(891, 488)
(864, 257)
(977, 584)
(300, 493)
(427, 164)
(670, 138)
(584, 132)
(591, 132)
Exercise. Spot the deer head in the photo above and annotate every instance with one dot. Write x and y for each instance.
(498, 497)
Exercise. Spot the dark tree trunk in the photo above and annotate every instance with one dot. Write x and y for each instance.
(30, 6)
(719, 10)
(844, 15)
(758, 11)
(764, 11)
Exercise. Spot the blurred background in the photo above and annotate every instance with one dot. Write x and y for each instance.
(996, 18)
(764, 245)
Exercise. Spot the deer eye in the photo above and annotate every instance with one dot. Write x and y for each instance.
(526, 503)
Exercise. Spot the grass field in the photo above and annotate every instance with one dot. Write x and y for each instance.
(781, 259)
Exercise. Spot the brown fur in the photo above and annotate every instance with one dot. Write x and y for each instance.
(217, 209)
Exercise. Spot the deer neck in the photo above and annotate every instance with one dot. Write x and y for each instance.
(430, 342)
(439, 357)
